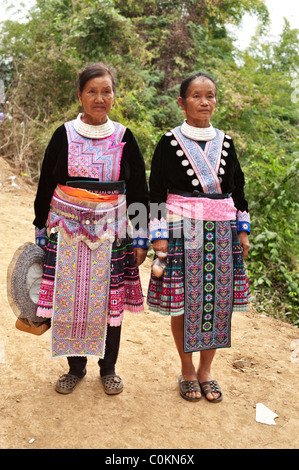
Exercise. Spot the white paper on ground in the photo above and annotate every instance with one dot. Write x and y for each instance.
(264, 415)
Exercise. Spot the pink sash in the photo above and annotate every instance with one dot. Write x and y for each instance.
(201, 208)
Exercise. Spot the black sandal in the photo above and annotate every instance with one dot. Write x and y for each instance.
(211, 387)
(189, 386)
(67, 383)
(112, 384)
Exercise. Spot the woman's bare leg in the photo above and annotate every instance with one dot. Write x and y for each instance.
(204, 369)
(188, 369)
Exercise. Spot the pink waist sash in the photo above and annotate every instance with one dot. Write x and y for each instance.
(201, 208)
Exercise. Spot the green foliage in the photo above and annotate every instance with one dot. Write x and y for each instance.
(153, 45)
(273, 258)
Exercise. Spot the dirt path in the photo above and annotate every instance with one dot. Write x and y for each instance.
(150, 413)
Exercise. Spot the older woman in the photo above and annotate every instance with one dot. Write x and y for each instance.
(200, 219)
(92, 169)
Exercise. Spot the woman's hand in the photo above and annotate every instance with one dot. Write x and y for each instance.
(160, 245)
(244, 242)
(139, 256)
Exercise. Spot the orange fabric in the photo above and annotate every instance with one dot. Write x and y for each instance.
(87, 195)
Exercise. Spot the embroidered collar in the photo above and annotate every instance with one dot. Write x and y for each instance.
(198, 133)
(93, 132)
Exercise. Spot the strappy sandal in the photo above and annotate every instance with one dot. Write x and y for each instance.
(67, 383)
(189, 386)
(211, 387)
(112, 384)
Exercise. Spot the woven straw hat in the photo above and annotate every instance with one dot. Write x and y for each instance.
(24, 277)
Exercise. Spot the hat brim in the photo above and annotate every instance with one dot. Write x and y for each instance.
(24, 275)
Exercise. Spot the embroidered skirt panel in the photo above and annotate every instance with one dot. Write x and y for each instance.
(89, 278)
(204, 279)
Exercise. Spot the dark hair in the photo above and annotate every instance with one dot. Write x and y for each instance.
(186, 83)
(97, 69)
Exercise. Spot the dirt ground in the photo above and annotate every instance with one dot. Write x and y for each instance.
(149, 414)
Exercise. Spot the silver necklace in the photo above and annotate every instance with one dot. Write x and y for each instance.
(93, 132)
(198, 133)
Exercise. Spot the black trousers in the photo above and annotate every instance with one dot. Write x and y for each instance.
(77, 364)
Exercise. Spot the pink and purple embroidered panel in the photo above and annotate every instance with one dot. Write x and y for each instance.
(80, 309)
(92, 274)
(95, 158)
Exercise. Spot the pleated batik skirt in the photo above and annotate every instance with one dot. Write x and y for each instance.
(204, 279)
